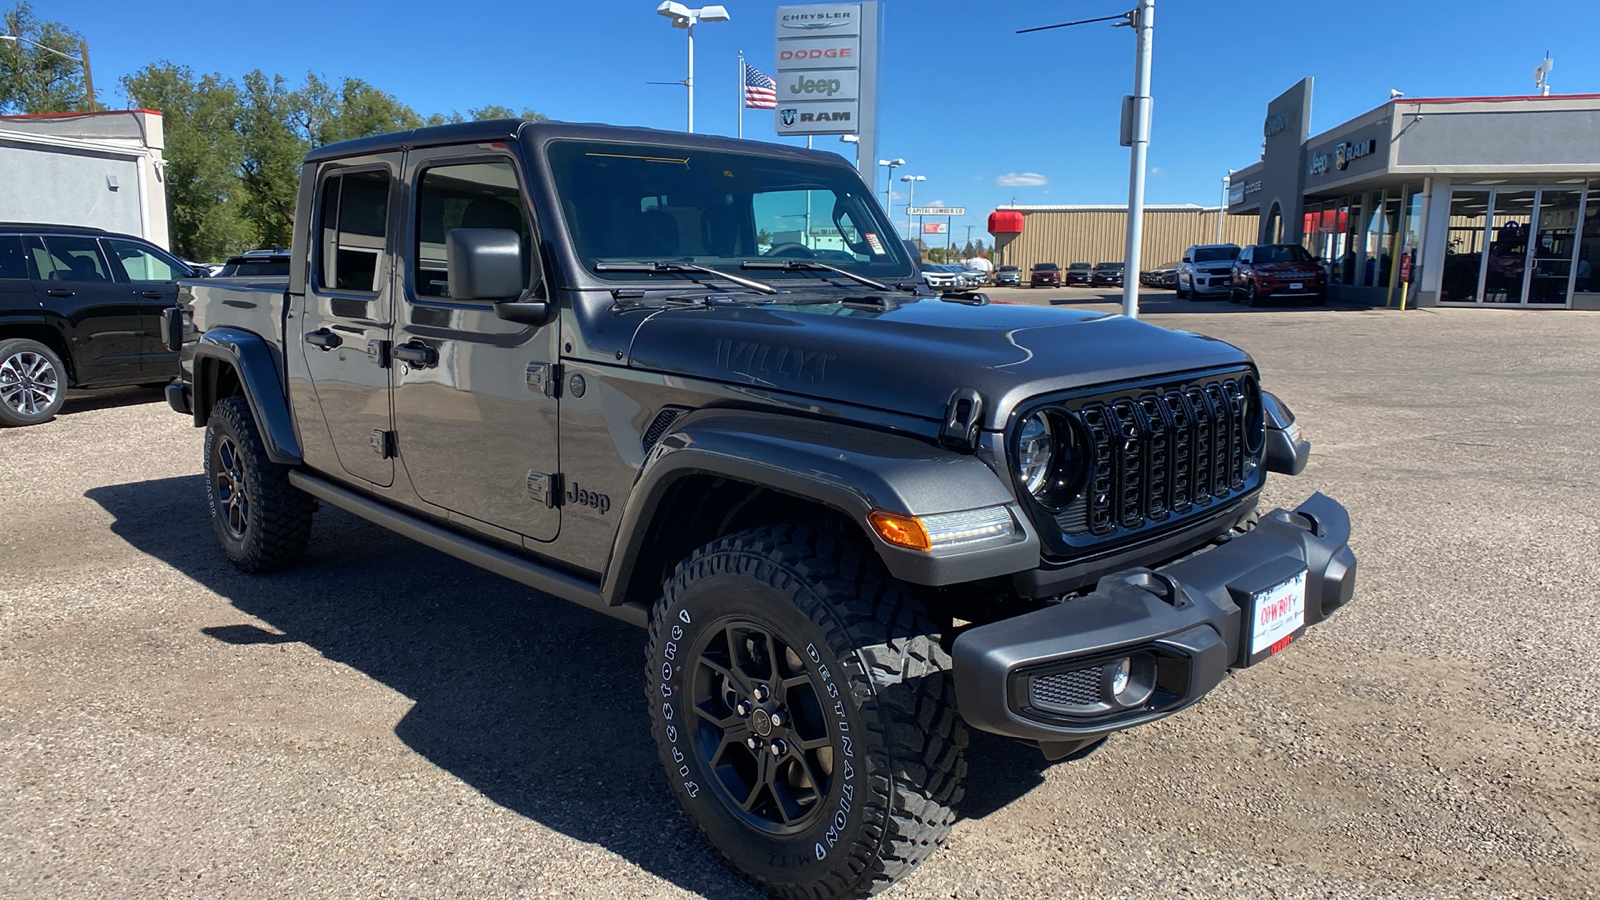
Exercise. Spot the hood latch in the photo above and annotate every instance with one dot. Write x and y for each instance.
(962, 418)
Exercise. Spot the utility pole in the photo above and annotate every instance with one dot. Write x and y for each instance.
(83, 48)
(1144, 24)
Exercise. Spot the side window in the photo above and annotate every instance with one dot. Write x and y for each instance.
(354, 223)
(463, 195)
(13, 264)
(75, 259)
(143, 266)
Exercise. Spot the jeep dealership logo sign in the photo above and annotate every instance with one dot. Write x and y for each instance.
(822, 51)
(1343, 155)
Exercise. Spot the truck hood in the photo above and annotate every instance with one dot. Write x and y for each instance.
(910, 357)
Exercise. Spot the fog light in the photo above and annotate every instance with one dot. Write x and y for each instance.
(1119, 676)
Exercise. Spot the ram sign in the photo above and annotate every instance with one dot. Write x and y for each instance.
(827, 62)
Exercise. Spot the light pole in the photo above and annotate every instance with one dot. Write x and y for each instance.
(686, 18)
(1137, 135)
(1227, 182)
(83, 48)
(1144, 19)
(888, 184)
(911, 197)
(854, 140)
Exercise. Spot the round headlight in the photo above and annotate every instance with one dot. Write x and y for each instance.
(1035, 453)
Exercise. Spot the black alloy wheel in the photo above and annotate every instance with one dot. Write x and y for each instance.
(760, 728)
(32, 383)
(262, 521)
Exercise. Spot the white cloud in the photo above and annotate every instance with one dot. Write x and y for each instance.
(896, 195)
(977, 178)
(1021, 179)
(937, 203)
(1157, 172)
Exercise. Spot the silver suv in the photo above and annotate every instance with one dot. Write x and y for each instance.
(1206, 270)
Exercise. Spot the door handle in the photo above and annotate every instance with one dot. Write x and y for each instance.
(415, 353)
(59, 292)
(151, 295)
(323, 338)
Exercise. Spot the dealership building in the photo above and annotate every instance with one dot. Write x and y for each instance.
(101, 169)
(1475, 201)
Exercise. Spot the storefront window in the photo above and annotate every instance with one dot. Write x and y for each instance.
(1589, 248)
(1463, 260)
(1508, 246)
(1350, 259)
(1555, 235)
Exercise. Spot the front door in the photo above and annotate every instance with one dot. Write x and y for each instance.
(349, 312)
(475, 407)
(100, 317)
(151, 277)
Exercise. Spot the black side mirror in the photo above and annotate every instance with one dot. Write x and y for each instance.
(487, 264)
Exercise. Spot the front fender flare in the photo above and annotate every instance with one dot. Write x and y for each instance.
(260, 380)
(851, 470)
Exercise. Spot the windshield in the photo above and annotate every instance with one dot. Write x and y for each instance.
(1045, 266)
(1270, 253)
(1109, 266)
(1080, 265)
(1216, 254)
(627, 203)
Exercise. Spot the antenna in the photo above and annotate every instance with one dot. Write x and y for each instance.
(1541, 75)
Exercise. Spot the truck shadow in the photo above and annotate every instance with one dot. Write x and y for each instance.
(532, 701)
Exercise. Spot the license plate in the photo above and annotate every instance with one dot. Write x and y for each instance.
(1296, 286)
(1275, 615)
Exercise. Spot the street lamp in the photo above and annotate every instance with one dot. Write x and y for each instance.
(686, 18)
(911, 196)
(1227, 182)
(855, 141)
(888, 184)
(83, 48)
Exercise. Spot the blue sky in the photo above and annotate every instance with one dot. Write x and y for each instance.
(965, 100)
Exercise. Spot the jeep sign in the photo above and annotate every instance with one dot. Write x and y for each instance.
(827, 63)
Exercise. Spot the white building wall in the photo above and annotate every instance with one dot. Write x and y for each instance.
(103, 170)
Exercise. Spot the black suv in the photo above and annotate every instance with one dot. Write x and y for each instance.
(1108, 274)
(79, 307)
(1080, 273)
(273, 263)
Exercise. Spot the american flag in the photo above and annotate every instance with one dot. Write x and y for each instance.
(760, 91)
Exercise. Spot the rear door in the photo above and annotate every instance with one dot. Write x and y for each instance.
(477, 418)
(100, 316)
(349, 312)
(151, 277)
(17, 298)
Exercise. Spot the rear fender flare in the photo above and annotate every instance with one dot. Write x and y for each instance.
(252, 360)
(850, 470)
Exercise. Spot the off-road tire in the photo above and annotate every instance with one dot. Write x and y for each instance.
(851, 636)
(46, 377)
(275, 524)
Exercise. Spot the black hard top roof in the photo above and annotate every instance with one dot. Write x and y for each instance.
(45, 228)
(512, 129)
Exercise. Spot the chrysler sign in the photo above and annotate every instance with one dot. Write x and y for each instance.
(826, 68)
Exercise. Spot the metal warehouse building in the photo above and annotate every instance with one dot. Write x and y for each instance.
(1094, 234)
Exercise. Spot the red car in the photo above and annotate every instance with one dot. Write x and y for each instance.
(1044, 275)
(1268, 272)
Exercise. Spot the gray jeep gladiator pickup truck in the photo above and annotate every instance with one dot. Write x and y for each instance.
(698, 384)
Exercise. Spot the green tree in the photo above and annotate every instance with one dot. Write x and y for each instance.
(33, 80)
(272, 148)
(205, 194)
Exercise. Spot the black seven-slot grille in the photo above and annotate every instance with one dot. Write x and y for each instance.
(1158, 454)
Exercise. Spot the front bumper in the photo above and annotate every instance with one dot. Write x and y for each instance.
(1181, 625)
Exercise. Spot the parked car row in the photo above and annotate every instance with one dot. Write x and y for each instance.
(1253, 274)
(951, 277)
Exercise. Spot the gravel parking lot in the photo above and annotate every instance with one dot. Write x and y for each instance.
(388, 722)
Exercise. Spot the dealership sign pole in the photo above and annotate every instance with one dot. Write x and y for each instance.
(827, 72)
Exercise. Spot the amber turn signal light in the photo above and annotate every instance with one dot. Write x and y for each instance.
(901, 531)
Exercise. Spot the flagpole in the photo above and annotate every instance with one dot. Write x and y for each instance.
(740, 86)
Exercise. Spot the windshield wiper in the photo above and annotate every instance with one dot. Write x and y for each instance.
(651, 267)
(811, 265)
